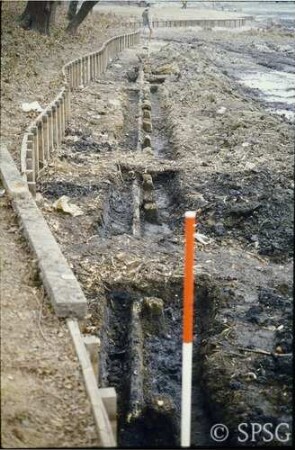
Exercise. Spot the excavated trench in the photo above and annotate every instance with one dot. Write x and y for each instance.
(159, 138)
(144, 204)
(157, 201)
(117, 213)
(166, 196)
(141, 337)
(130, 139)
(141, 358)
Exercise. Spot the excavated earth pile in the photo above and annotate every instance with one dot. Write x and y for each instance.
(162, 132)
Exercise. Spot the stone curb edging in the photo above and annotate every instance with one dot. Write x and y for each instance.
(60, 283)
(45, 133)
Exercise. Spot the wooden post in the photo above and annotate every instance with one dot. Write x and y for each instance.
(109, 398)
(136, 192)
(55, 125)
(58, 136)
(107, 57)
(88, 69)
(45, 137)
(100, 62)
(40, 144)
(75, 75)
(91, 67)
(31, 179)
(35, 150)
(84, 68)
(92, 344)
(50, 131)
(23, 155)
(60, 119)
(96, 65)
(72, 75)
(67, 106)
(63, 113)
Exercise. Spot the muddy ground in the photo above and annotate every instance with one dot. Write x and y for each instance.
(217, 148)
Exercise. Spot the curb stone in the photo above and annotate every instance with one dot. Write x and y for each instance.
(60, 283)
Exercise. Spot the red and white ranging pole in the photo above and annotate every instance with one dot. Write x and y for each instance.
(187, 337)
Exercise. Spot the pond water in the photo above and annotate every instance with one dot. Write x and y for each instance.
(277, 88)
(282, 11)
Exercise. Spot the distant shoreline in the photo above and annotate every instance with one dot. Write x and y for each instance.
(279, 10)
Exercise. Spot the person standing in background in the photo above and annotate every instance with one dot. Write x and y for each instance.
(147, 20)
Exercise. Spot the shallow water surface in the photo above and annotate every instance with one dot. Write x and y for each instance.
(277, 87)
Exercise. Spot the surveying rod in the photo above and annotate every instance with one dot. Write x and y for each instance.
(187, 336)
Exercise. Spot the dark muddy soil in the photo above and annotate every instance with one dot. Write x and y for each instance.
(167, 196)
(146, 344)
(130, 121)
(160, 137)
(244, 195)
(260, 217)
(218, 150)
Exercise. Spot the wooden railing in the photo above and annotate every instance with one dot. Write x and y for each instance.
(228, 23)
(45, 134)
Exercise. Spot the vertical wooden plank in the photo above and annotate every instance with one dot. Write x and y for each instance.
(45, 138)
(50, 132)
(31, 179)
(40, 144)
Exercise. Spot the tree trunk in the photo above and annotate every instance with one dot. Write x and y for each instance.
(72, 10)
(53, 13)
(36, 16)
(80, 16)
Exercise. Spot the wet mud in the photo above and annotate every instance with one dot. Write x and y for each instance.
(130, 139)
(160, 139)
(116, 217)
(55, 189)
(167, 198)
(141, 357)
(260, 217)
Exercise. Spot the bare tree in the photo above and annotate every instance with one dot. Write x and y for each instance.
(37, 16)
(72, 9)
(53, 13)
(78, 18)
(40, 15)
